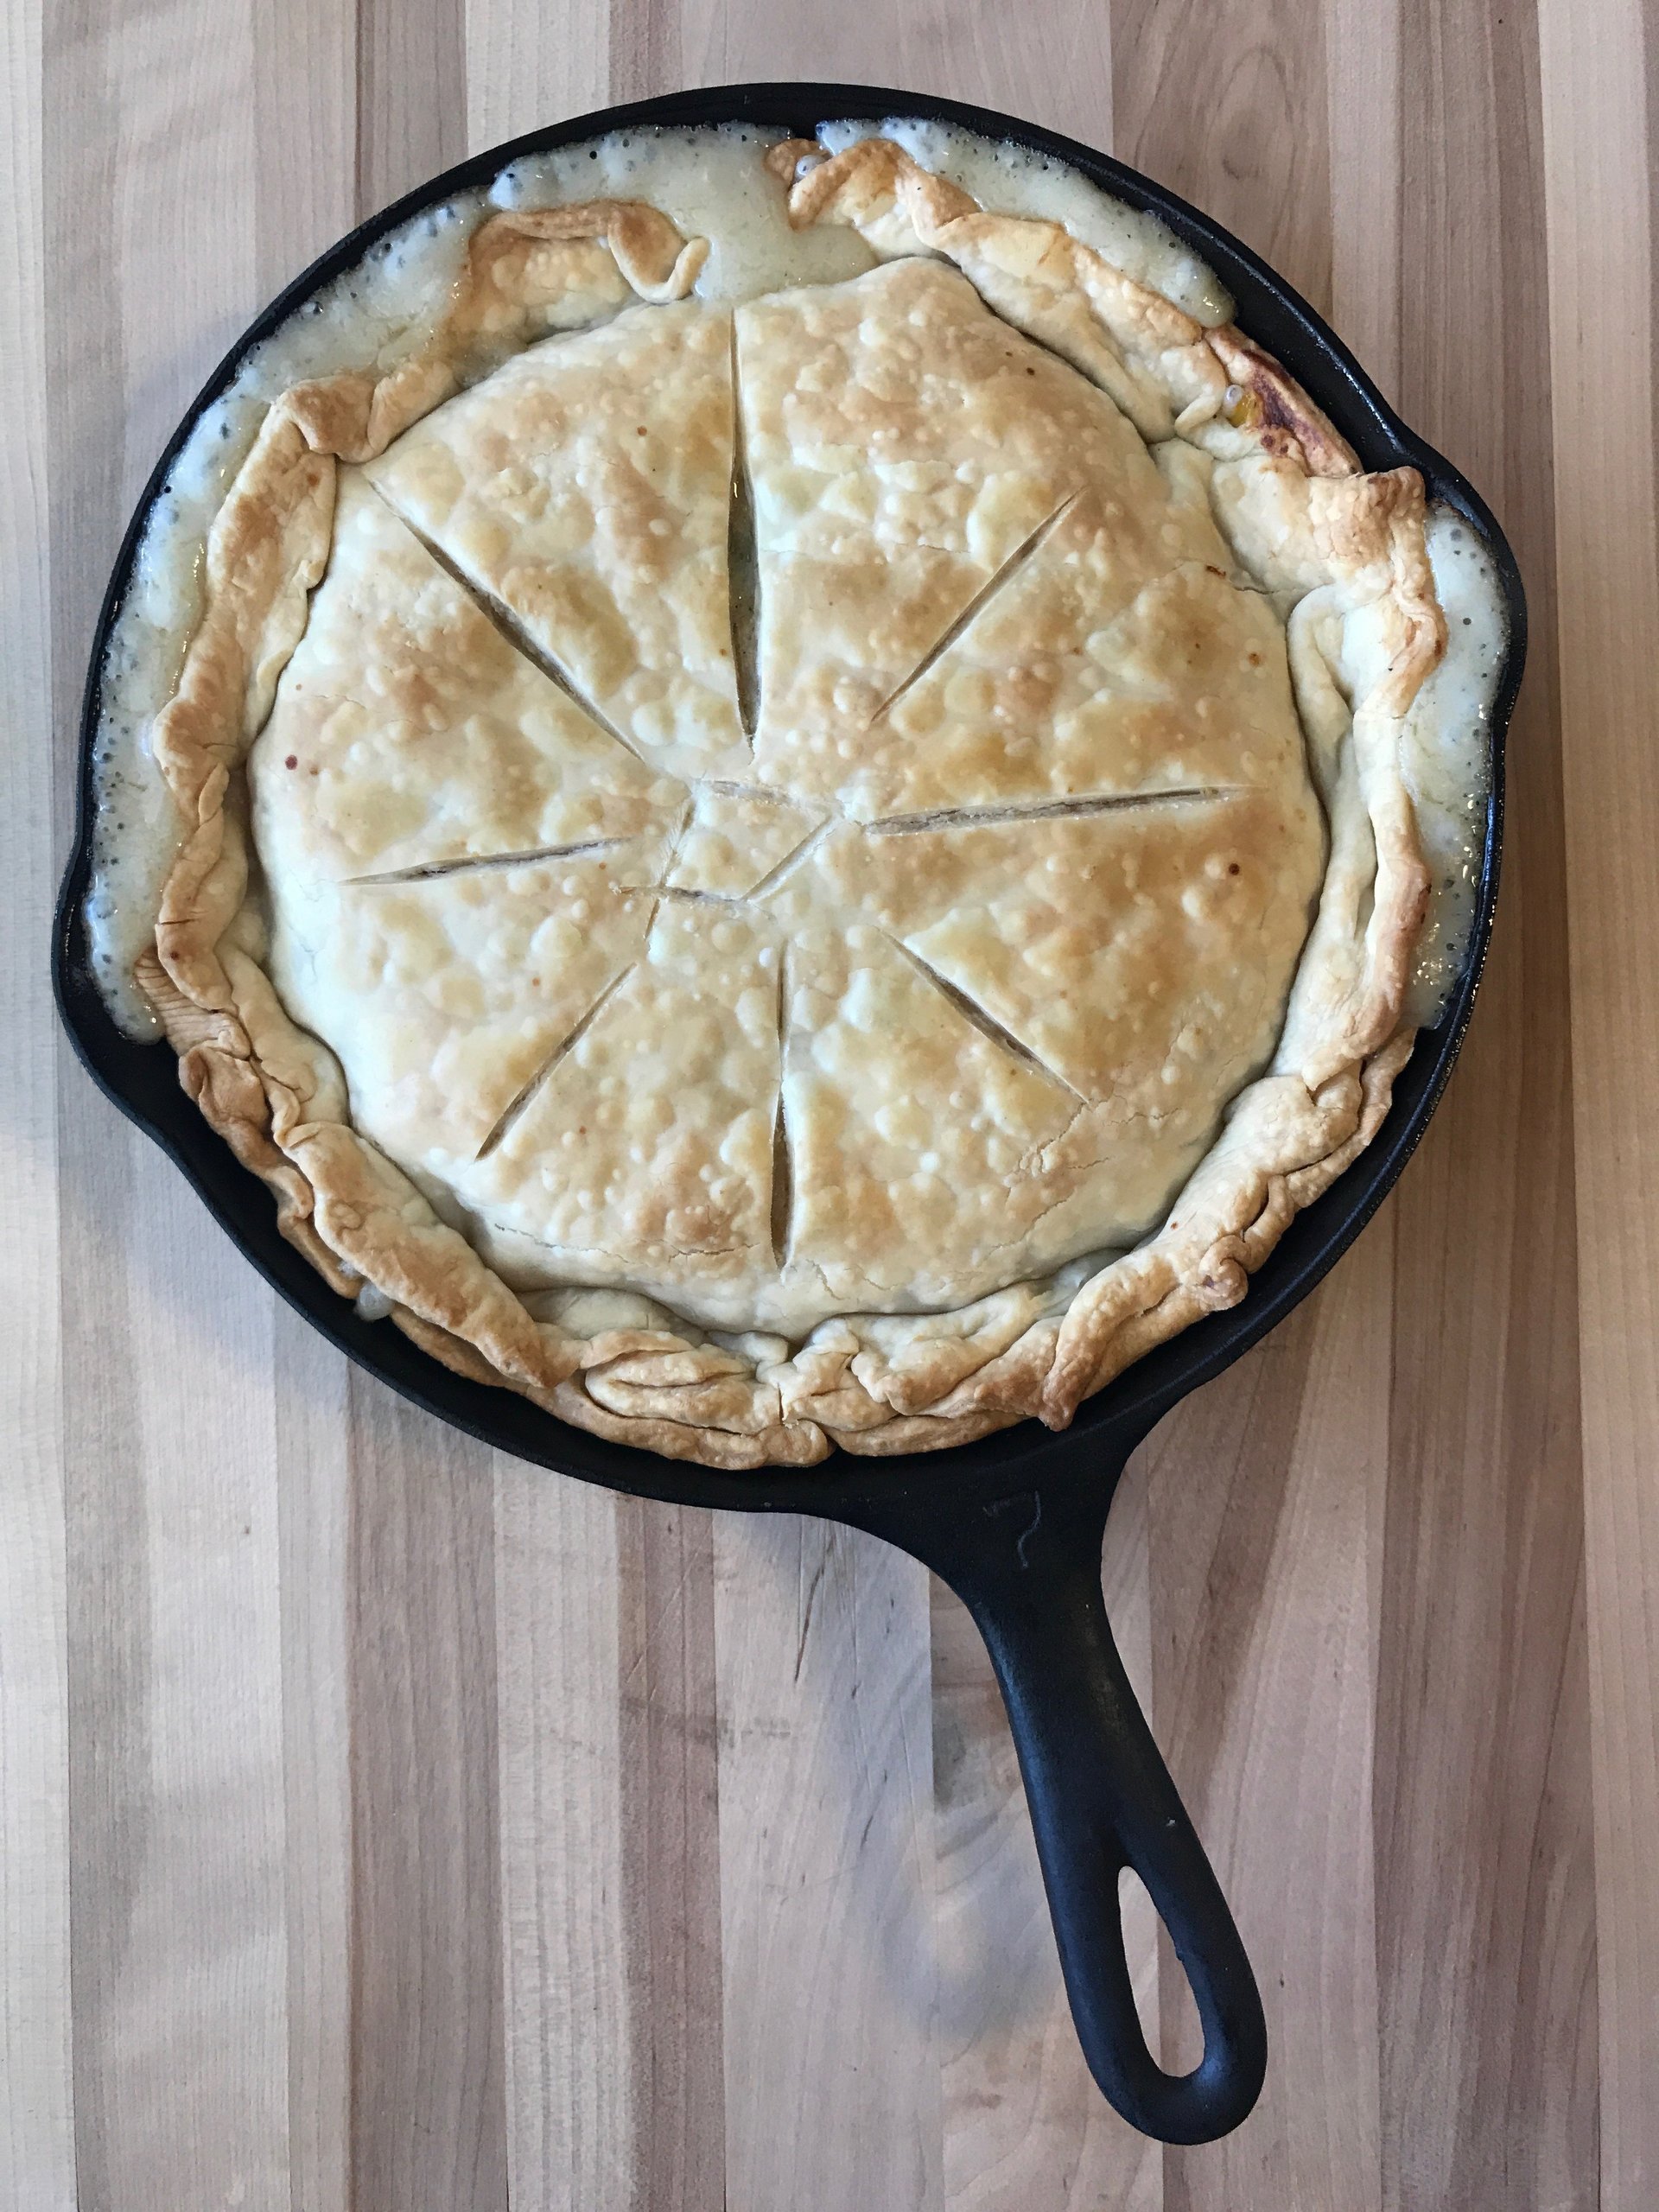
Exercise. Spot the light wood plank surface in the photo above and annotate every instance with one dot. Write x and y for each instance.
(1597, 106)
(387, 1825)
(36, 2094)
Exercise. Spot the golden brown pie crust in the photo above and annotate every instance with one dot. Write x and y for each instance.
(1343, 554)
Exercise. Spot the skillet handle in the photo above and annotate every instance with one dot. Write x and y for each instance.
(1028, 1569)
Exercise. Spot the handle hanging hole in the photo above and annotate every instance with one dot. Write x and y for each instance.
(1163, 1996)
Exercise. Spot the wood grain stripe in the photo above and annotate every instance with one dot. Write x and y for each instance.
(1261, 162)
(85, 369)
(826, 1789)
(412, 94)
(179, 1975)
(642, 49)
(1263, 1534)
(36, 2116)
(313, 1506)
(670, 1853)
(429, 2099)
(1220, 1473)
(305, 135)
(530, 63)
(1600, 204)
(1488, 1987)
(1363, 117)
(569, 2084)
(176, 1753)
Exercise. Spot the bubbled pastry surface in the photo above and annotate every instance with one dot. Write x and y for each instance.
(922, 956)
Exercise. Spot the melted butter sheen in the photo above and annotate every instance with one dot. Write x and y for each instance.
(711, 183)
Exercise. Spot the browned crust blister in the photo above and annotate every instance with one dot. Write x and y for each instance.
(1287, 491)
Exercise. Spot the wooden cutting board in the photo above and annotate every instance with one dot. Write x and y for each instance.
(388, 1825)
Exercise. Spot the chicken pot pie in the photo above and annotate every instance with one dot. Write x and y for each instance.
(821, 873)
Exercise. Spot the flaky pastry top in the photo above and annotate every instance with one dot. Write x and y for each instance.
(826, 872)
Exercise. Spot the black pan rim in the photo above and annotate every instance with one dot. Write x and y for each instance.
(141, 1079)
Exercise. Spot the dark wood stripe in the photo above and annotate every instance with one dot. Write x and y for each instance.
(1651, 105)
(645, 54)
(304, 151)
(85, 358)
(429, 2095)
(108, 1628)
(110, 1633)
(1601, 102)
(1218, 1476)
(411, 95)
(313, 1516)
(670, 1847)
(1485, 1932)
(428, 2087)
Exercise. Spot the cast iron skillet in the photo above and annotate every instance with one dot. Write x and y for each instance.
(1014, 1523)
